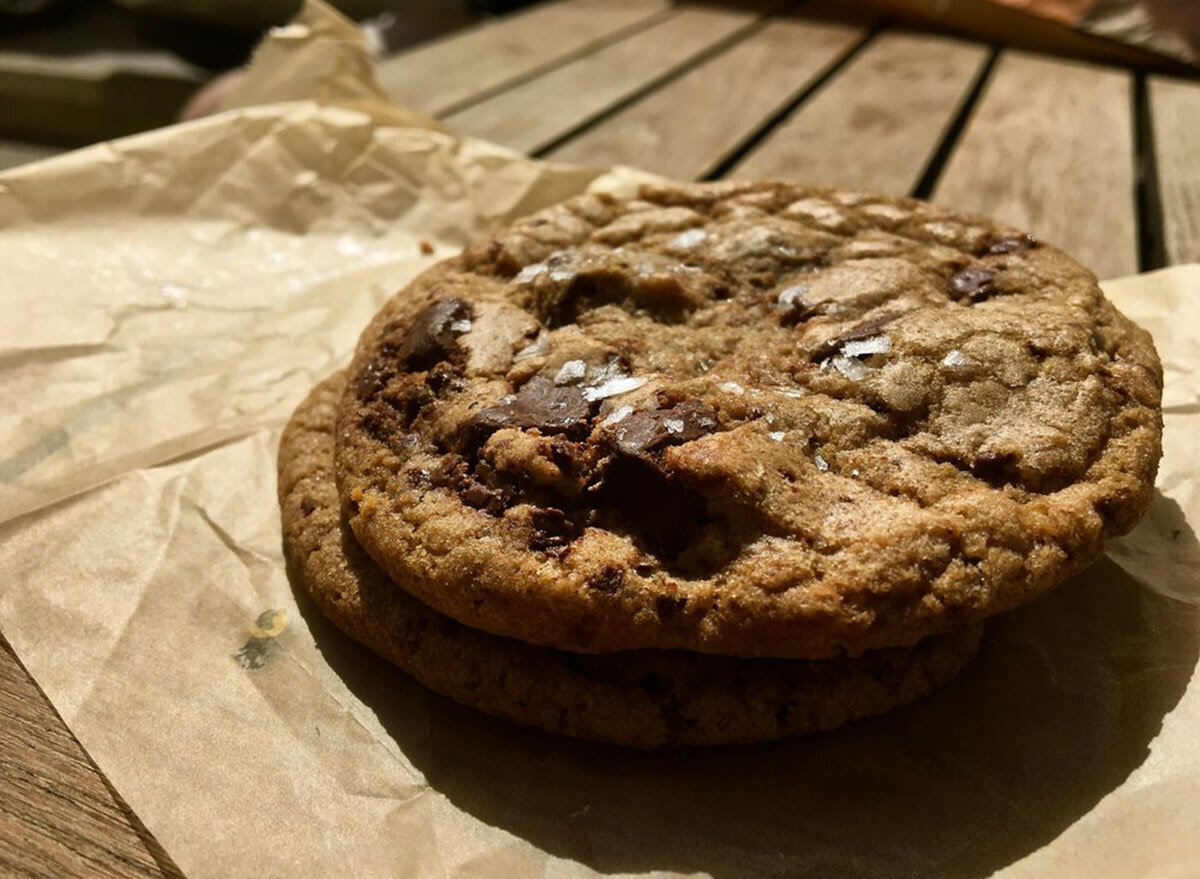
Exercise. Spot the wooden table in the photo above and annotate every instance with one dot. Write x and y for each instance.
(1099, 159)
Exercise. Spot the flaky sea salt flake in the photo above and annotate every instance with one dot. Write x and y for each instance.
(612, 387)
(537, 346)
(848, 366)
(530, 273)
(687, 240)
(571, 372)
(955, 359)
(617, 415)
(789, 296)
(866, 347)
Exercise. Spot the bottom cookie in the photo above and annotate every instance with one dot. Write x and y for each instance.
(646, 698)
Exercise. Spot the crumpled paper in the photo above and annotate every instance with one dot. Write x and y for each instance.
(170, 297)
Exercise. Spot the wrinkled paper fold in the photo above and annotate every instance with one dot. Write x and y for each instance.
(170, 297)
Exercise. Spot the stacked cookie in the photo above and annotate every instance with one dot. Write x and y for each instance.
(719, 463)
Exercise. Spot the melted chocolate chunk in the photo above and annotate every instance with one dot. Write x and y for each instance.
(479, 496)
(444, 377)
(662, 513)
(667, 606)
(553, 531)
(608, 580)
(645, 430)
(974, 285)
(996, 468)
(1011, 244)
(455, 473)
(434, 334)
(539, 404)
(374, 377)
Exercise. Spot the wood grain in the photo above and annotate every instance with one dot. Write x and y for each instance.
(875, 125)
(1175, 111)
(687, 127)
(439, 76)
(533, 115)
(58, 815)
(1050, 149)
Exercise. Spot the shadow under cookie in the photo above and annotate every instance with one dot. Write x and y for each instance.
(1057, 711)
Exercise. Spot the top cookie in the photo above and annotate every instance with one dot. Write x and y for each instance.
(756, 419)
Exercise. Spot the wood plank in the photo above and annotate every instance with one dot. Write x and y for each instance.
(533, 115)
(687, 127)
(440, 76)
(1049, 148)
(58, 816)
(874, 125)
(94, 96)
(1175, 111)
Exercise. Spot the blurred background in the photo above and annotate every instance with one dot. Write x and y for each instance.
(76, 71)
(73, 72)
(1030, 111)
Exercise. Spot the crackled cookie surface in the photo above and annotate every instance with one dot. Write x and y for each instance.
(746, 418)
(641, 698)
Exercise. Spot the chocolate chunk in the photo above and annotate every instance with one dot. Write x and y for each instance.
(539, 404)
(1011, 244)
(645, 430)
(553, 531)
(444, 377)
(476, 489)
(996, 468)
(479, 496)
(974, 285)
(667, 606)
(661, 514)
(374, 377)
(608, 580)
(450, 471)
(434, 334)
(861, 330)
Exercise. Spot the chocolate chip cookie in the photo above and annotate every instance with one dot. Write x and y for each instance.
(754, 419)
(642, 698)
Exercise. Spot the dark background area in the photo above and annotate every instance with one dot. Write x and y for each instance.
(76, 71)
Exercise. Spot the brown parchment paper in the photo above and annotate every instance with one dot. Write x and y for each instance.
(168, 298)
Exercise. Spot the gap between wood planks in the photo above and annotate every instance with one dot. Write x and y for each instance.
(1152, 251)
(755, 137)
(653, 85)
(925, 184)
(592, 48)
